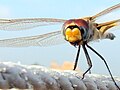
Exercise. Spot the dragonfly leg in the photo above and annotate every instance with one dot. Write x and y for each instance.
(77, 57)
(88, 60)
(105, 64)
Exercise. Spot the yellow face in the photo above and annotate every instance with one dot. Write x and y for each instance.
(73, 35)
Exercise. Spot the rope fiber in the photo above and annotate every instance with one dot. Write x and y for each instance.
(18, 76)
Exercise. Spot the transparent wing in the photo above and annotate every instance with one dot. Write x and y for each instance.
(22, 24)
(48, 39)
(106, 11)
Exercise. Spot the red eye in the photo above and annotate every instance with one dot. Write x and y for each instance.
(68, 22)
(77, 22)
(81, 22)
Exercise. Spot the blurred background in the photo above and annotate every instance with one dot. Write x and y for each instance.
(65, 9)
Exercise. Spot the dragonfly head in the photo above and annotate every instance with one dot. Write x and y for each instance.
(75, 31)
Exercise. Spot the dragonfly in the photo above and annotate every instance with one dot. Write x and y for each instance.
(78, 32)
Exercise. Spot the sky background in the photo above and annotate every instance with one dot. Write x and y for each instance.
(65, 9)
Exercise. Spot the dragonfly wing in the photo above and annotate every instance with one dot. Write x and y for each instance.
(103, 27)
(106, 11)
(115, 22)
(48, 39)
(22, 24)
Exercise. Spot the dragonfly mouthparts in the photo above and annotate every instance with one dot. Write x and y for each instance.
(76, 43)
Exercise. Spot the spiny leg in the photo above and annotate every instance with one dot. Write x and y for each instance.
(76, 60)
(89, 63)
(88, 60)
(105, 64)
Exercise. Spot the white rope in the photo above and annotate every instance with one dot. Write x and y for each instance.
(14, 75)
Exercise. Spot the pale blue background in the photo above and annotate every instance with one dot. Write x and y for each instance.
(65, 9)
